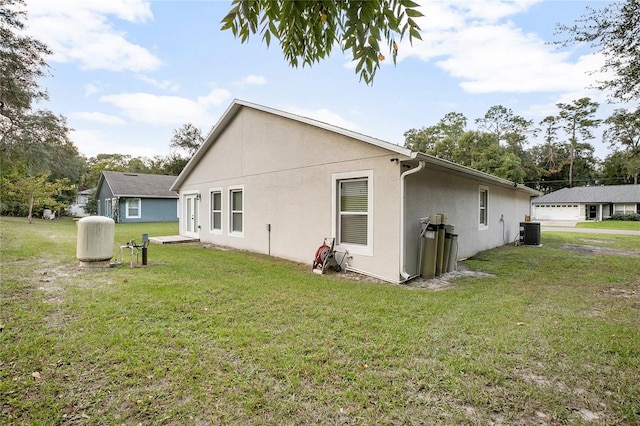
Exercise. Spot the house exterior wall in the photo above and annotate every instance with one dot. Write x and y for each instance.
(558, 211)
(580, 211)
(435, 191)
(104, 194)
(151, 210)
(287, 171)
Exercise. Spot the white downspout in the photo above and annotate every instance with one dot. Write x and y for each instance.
(405, 275)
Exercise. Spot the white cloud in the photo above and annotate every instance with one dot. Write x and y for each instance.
(91, 89)
(161, 84)
(502, 59)
(324, 115)
(216, 98)
(254, 80)
(92, 142)
(154, 109)
(493, 11)
(138, 11)
(98, 117)
(80, 31)
(476, 42)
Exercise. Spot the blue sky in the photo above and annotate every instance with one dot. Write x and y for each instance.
(127, 73)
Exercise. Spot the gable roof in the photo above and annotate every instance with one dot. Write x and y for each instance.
(138, 185)
(238, 104)
(593, 194)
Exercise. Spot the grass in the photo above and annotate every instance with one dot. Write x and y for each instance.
(611, 224)
(208, 336)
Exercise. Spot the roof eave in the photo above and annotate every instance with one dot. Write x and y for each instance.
(468, 171)
(144, 196)
(237, 105)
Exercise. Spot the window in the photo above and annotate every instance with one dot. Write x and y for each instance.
(484, 207)
(353, 224)
(108, 210)
(624, 208)
(236, 214)
(216, 210)
(354, 211)
(133, 208)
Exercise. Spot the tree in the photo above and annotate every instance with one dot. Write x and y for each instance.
(615, 169)
(481, 151)
(624, 132)
(40, 140)
(613, 31)
(309, 30)
(113, 162)
(22, 63)
(34, 191)
(37, 155)
(550, 129)
(39, 162)
(577, 120)
(440, 140)
(510, 129)
(187, 138)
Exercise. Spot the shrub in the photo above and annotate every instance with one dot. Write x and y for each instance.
(627, 216)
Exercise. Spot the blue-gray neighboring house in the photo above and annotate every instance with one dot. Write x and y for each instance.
(137, 197)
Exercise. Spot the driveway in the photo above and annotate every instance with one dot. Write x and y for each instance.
(569, 226)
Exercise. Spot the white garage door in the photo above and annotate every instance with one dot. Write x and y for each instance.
(557, 212)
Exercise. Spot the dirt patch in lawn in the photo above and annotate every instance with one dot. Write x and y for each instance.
(586, 249)
(442, 282)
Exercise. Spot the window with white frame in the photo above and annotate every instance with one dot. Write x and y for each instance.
(133, 208)
(353, 211)
(215, 201)
(236, 211)
(483, 207)
(624, 208)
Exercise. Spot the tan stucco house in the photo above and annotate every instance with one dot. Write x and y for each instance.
(582, 203)
(269, 181)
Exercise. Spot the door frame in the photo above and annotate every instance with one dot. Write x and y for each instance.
(191, 214)
(592, 211)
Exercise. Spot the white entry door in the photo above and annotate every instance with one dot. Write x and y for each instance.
(191, 223)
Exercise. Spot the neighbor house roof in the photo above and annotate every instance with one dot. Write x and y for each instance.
(593, 194)
(139, 185)
(237, 105)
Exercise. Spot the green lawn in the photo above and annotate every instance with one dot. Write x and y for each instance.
(209, 336)
(611, 224)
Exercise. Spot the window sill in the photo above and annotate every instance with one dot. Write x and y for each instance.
(355, 249)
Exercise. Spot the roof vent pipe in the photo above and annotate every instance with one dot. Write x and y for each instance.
(404, 274)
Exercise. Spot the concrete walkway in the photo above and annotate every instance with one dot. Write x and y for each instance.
(569, 226)
(173, 239)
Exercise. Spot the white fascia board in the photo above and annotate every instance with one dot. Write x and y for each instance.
(468, 171)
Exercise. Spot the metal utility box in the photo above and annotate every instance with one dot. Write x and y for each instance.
(530, 233)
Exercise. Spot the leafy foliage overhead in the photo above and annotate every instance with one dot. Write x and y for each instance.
(308, 30)
(615, 32)
(22, 61)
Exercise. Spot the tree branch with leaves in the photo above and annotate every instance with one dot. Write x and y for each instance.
(613, 31)
(309, 30)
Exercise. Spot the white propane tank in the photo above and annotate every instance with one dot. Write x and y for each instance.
(95, 239)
